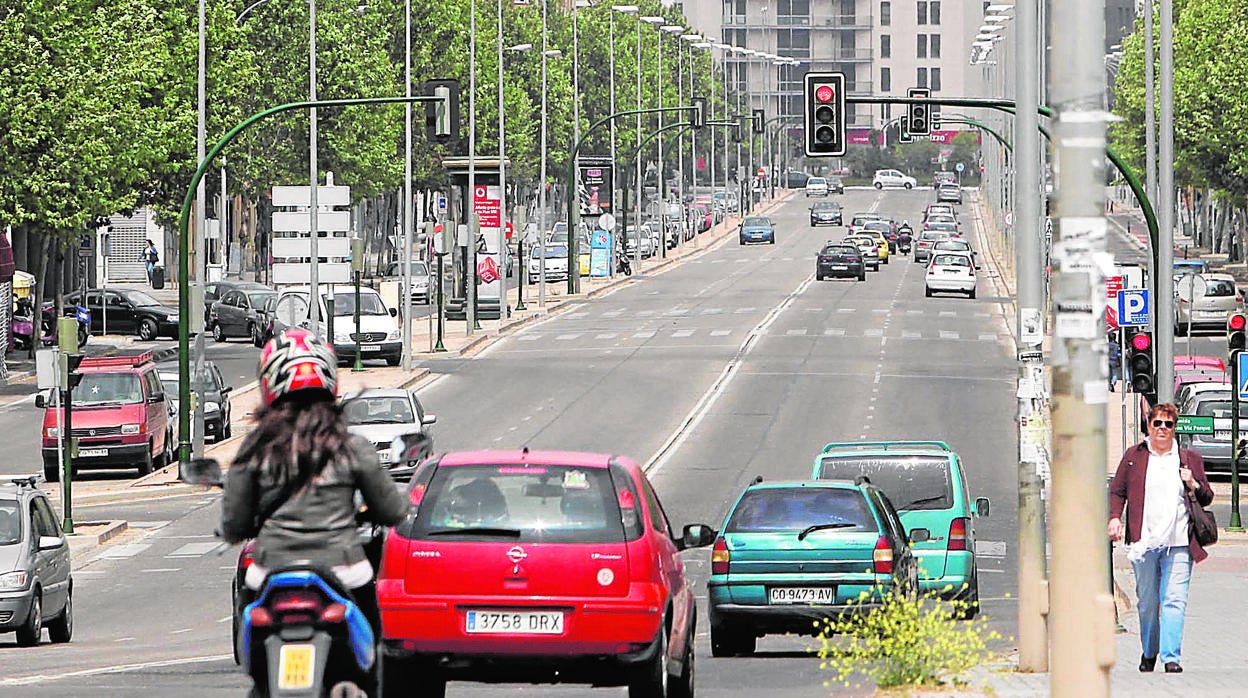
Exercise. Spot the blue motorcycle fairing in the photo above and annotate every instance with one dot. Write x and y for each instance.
(358, 629)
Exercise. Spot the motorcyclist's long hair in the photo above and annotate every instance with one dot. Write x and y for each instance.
(296, 436)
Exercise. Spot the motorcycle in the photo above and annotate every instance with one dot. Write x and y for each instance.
(904, 243)
(623, 265)
(302, 634)
(23, 324)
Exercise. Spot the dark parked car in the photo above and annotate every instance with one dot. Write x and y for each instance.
(124, 311)
(35, 566)
(218, 422)
(836, 185)
(795, 180)
(826, 213)
(838, 259)
(266, 315)
(238, 313)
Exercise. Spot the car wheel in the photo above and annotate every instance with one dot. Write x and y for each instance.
(218, 332)
(415, 680)
(879, 185)
(83, 336)
(30, 632)
(392, 360)
(862, 275)
(651, 679)
(148, 463)
(818, 277)
(886, 260)
(254, 333)
(227, 430)
(1179, 330)
(147, 329)
(971, 295)
(61, 628)
(909, 185)
(685, 683)
(727, 642)
(927, 292)
(772, 241)
(51, 472)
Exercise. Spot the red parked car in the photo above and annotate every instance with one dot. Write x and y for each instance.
(538, 567)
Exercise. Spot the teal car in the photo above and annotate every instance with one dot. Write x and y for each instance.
(927, 482)
(791, 554)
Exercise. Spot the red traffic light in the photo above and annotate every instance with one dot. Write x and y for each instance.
(824, 94)
(1141, 341)
(1236, 321)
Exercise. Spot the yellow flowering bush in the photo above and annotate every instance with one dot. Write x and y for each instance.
(904, 641)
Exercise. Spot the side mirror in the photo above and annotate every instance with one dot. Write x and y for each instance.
(697, 536)
(158, 397)
(201, 471)
(226, 389)
(50, 542)
(920, 535)
(394, 312)
(981, 506)
(41, 401)
(429, 419)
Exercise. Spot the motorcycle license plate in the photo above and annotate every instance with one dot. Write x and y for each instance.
(294, 667)
(515, 622)
(802, 595)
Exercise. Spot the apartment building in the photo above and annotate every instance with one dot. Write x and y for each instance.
(883, 47)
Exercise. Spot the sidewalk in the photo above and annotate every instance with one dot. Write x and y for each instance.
(456, 340)
(1213, 663)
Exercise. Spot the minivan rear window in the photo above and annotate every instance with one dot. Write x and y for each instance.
(774, 509)
(911, 482)
(534, 503)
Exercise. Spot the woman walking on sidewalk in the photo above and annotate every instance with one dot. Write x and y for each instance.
(1152, 480)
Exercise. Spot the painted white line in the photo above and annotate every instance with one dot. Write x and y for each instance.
(578, 314)
(197, 549)
(948, 313)
(911, 334)
(987, 337)
(720, 333)
(712, 311)
(124, 550)
(744, 310)
(795, 333)
(719, 386)
(179, 632)
(115, 669)
(645, 313)
(605, 335)
(682, 333)
(644, 334)
(945, 334)
(834, 332)
(28, 400)
(564, 337)
(162, 569)
(528, 338)
(846, 310)
(873, 332)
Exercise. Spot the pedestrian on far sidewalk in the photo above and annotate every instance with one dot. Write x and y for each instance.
(150, 257)
(1152, 481)
(1115, 359)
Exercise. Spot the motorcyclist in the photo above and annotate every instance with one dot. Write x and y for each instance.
(293, 483)
(904, 235)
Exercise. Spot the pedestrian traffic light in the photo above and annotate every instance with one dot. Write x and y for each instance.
(442, 114)
(1140, 361)
(72, 376)
(934, 117)
(920, 116)
(825, 114)
(738, 130)
(760, 118)
(699, 112)
(1235, 326)
(903, 130)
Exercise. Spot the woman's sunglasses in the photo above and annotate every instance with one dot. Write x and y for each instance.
(1167, 423)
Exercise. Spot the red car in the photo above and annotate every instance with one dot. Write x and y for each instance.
(538, 567)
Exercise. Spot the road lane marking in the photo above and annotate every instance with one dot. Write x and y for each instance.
(606, 335)
(720, 333)
(114, 669)
(197, 549)
(911, 334)
(873, 332)
(834, 332)
(124, 550)
(720, 384)
(162, 569)
(565, 337)
(644, 334)
(682, 333)
(528, 337)
(795, 333)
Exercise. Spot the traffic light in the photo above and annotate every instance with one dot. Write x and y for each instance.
(903, 130)
(442, 114)
(738, 130)
(1140, 361)
(72, 376)
(1235, 325)
(699, 112)
(934, 117)
(920, 114)
(825, 114)
(760, 118)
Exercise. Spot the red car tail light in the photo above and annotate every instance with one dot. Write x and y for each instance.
(882, 557)
(720, 557)
(957, 533)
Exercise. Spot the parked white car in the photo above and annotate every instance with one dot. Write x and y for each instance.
(950, 272)
(649, 241)
(816, 186)
(556, 263)
(893, 178)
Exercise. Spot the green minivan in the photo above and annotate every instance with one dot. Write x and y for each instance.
(926, 482)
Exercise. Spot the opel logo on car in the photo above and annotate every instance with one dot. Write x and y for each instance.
(516, 554)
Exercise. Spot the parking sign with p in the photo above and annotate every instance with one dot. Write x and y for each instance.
(1133, 307)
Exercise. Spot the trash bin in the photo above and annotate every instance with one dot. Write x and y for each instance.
(158, 277)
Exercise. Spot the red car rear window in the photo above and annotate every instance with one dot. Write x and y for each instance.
(544, 503)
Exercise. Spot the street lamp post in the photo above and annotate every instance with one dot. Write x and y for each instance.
(629, 10)
(675, 31)
(503, 308)
(547, 53)
(662, 194)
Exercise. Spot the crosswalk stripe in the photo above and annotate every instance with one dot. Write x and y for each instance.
(712, 311)
(795, 333)
(745, 310)
(948, 313)
(945, 334)
(645, 313)
(572, 335)
(682, 333)
(125, 550)
(910, 334)
(528, 337)
(834, 332)
(846, 310)
(720, 333)
(605, 335)
(914, 312)
(644, 334)
(873, 333)
(196, 549)
(987, 337)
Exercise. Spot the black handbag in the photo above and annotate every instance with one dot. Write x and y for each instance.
(1203, 525)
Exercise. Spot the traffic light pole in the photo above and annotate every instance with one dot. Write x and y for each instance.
(184, 291)
(1237, 450)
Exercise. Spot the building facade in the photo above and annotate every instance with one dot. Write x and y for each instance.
(884, 47)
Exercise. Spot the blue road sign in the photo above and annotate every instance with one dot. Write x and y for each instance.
(959, 167)
(1133, 307)
(1241, 373)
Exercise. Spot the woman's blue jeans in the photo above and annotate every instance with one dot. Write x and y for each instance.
(1161, 579)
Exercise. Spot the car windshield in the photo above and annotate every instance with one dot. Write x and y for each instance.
(552, 252)
(534, 503)
(108, 389)
(772, 509)
(259, 298)
(1220, 409)
(10, 522)
(911, 482)
(757, 221)
(418, 269)
(139, 299)
(378, 410)
(370, 304)
(816, 180)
